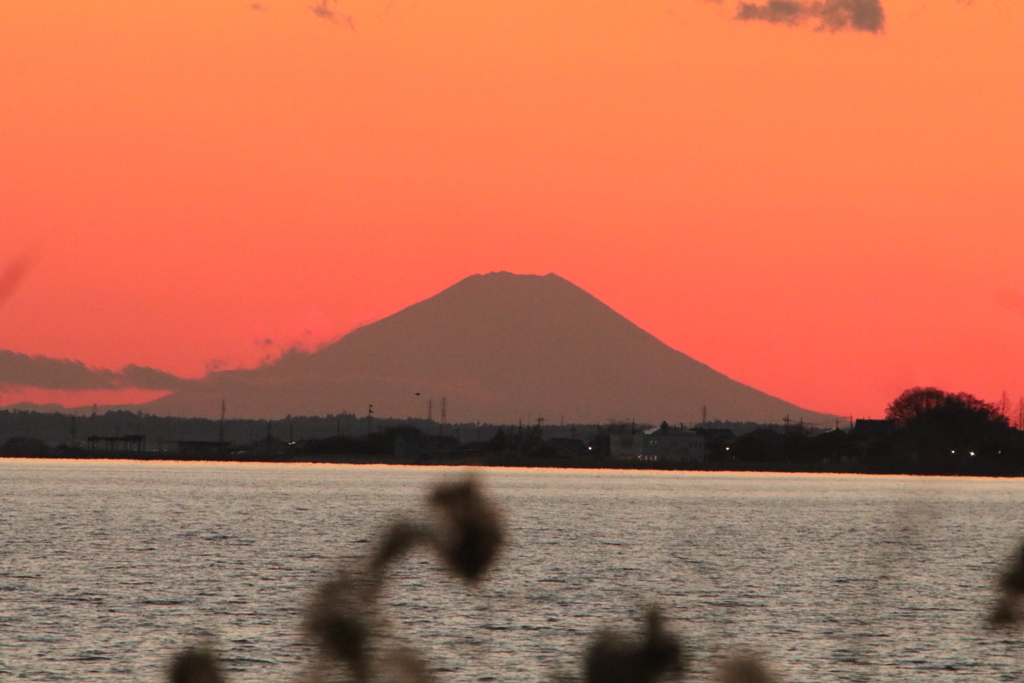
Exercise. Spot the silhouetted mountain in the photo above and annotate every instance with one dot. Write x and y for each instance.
(500, 347)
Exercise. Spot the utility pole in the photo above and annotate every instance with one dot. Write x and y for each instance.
(223, 414)
(430, 410)
(369, 420)
(444, 414)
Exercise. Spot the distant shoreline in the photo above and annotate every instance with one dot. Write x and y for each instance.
(502, 463)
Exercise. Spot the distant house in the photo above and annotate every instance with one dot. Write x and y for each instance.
(567, 448)
(628, 446)
(873, 429)
(129, 442)
(717, 441)
(673, 444)
(660, 444)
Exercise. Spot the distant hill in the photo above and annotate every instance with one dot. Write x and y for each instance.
(499, 347)
(76, 410)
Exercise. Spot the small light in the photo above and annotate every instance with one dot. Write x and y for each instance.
(972, 454)
(726, 448)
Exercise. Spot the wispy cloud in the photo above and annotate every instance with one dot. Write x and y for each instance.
(12, 275)
(831, 15)
(775, 12)
(42, 372)
(325, 12)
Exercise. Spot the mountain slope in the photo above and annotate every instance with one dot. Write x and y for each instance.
(500, 347)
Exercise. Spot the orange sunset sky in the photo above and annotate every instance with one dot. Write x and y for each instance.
(830, 216)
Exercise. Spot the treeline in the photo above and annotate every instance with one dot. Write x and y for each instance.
(926, 431)
(54, 429)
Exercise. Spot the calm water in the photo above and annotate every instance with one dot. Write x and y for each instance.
(107, 568)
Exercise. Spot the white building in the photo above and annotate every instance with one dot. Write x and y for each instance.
(661, 444)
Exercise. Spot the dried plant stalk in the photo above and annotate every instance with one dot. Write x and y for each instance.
(615, 658)
(468, 533)
(195, 665)
(338, 622)
(745, 669)
(1007, 611)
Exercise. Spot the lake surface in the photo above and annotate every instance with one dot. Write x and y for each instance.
(108, 568)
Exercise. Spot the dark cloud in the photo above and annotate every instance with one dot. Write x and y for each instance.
(12, 275)
(20, 369)
(832, 15)
(142, 377)
(858, 15)
(776, 12)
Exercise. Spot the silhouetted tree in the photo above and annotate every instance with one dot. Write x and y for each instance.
(914, 403)
(761, 446)
(950, 412)
(949, 429)
(498, 442)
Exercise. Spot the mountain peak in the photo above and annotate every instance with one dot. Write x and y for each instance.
(500, 347)
(504, 280)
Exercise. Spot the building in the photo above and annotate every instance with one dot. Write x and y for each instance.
(660, 444)
(626, 446)
(717, 442)
(673, 444)
(873, 429)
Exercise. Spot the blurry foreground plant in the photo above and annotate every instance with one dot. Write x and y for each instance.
(615, 658)
(338, 620)
(745, 669)
(195, 665)
(465, 531)
(1008, 609)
